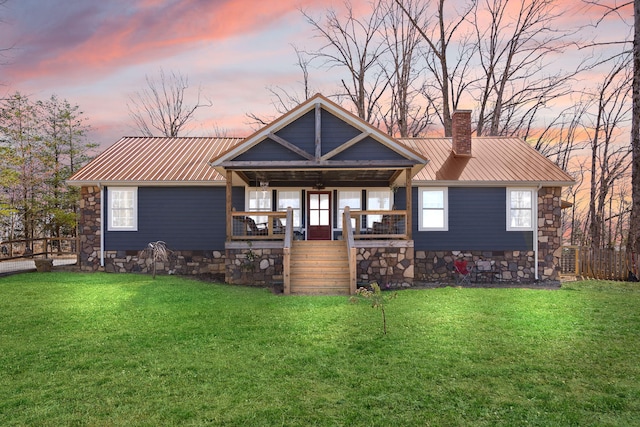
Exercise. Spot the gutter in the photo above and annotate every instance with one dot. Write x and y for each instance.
(535, 235)
(101, 225)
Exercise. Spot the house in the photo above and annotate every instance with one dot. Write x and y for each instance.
(321, 201)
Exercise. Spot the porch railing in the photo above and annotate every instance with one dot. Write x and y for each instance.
(257, 225)
(380, 224)
(286, 252)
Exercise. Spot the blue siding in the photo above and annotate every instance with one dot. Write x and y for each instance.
(368, 149)
(400, 199)
(238, 199)
(186, 218)
(268, 150)
(302, 132)
(335, 132)
(477, 221)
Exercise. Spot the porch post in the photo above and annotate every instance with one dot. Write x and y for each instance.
(409, 207)
(228, 219)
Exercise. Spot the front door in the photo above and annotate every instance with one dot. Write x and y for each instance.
(319, 215)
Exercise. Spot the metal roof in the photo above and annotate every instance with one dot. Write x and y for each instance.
(498, 160)
(176, 161)
(159, 160)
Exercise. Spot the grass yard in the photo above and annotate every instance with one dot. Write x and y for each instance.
(118, 349)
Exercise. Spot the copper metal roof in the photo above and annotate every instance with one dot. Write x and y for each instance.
(156, 160)
(493, 160)
(167, 161)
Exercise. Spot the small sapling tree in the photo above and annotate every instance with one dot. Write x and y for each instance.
(377, 298)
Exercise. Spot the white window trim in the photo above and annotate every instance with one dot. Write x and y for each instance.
(445, 191)
(247, 201)
(134, 227)
(299, 209)
(259, 219)
(534, 208)
(369, 222)
(351, 208)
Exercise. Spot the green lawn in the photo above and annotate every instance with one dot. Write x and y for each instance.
(117, 349)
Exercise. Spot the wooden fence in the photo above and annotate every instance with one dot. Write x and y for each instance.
(603, 264)
(45, 246)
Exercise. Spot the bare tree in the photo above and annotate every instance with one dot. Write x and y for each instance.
(560, 138)
(515, 48)
(634, 222)
(161, 107)
(284, 99)
(354, 45)
(609, 161)
(403, 113)
(439, 36)
(572, 224)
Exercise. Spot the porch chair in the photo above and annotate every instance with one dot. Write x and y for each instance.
(463, 272)
(245, 226)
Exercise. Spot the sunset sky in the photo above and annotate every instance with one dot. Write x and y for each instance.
(97, 53)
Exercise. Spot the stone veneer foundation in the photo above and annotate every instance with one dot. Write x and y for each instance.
(90, 205)
(389, 266)
(179, 262)
(250, 264)
(514, 266)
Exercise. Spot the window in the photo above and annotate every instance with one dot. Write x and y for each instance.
(290, 199)
(351, 199)
(520, 209)
(377, 200)
(123, 209)
(259, 201)
(434, 209)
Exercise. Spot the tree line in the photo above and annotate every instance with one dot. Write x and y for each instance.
(405, 65)
(42, 143)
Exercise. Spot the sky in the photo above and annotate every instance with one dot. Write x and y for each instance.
(96, 54)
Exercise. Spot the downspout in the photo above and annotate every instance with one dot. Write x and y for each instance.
(535, 233)
(101, 225)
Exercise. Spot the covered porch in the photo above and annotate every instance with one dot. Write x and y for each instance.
(319, 177)
(318, 245)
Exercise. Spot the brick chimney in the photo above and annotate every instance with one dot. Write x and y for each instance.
(461, 132)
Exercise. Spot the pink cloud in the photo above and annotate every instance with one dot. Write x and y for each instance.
(138, 33)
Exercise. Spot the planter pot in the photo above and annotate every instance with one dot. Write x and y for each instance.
(44, 265)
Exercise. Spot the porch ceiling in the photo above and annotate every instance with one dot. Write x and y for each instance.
(322, 177)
